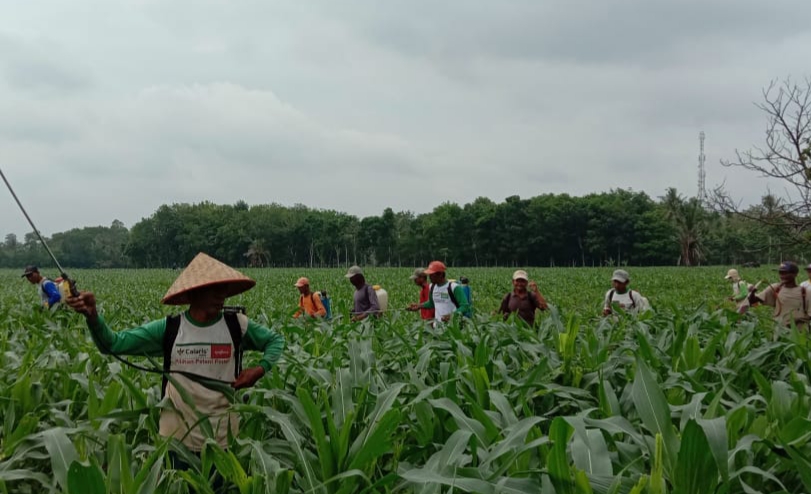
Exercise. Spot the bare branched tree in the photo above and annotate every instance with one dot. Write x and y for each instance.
(785, 156)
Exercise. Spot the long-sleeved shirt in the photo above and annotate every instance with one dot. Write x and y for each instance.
(204, 349)
(365, 301)
(425, 293)
(442, 304)
(147, 340)
(311, 305)
(49, 293)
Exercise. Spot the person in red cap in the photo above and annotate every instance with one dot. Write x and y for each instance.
(309, 303)
(201, 345)
(446, 298)
(790, 301)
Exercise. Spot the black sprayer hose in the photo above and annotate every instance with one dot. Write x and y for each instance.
(75, 293)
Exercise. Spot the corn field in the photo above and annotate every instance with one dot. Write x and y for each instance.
(690, 398)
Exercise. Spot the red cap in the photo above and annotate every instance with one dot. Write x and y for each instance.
(435, 267)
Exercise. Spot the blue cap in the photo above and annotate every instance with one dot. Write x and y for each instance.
(788, 267)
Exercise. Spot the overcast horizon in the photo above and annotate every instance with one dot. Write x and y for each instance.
(110, 109)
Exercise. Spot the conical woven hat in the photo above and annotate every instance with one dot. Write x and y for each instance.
(202, 271)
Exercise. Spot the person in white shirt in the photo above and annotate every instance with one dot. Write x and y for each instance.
(621, 297)
(807, 283)
(445, 297)
(740, 291)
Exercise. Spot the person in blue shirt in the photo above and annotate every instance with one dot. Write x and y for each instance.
(47, 289)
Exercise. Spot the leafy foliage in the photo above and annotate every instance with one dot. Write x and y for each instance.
(692, 398)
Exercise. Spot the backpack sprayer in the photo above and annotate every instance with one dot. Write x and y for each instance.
(74, 292)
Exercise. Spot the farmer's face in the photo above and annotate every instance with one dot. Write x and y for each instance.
(304, 289)
(33, 278)
(520, 285)
(619, 286)
(787, 276)
(437, 278)
(209, 300)
(420, 280)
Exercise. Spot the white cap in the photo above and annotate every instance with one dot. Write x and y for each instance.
(354, 270)
(732, 274)
(520, 275)
(620, 275)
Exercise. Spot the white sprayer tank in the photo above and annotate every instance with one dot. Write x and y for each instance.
(382, 297)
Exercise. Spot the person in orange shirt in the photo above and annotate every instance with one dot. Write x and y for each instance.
(309, 303)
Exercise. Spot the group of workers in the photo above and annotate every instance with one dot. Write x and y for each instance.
(441, 298)
(204, 343)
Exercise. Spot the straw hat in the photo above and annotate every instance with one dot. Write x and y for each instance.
(203, 271)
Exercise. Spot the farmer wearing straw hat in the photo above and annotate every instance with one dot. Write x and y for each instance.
(309, 303)
(791, 301)
(203, 350)
(740, 290)
(522, 301)
(421, 280)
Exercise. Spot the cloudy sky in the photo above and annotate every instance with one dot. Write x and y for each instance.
(109, 109)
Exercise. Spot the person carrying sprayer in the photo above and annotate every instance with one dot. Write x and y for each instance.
(365, 301)
(202, 345)
(446, 297)
(622, 297)
(309, 303)
(740, 291)
(791, 301)
(48, 291)
(524, 303)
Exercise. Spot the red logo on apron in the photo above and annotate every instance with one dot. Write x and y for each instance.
(220, 351)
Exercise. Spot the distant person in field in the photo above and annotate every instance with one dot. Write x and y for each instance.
(740, 290)
(445, 297)
(421, 280)
(309, 303)
(365, 301)
(46, 288)
(465, 282)
(791, 301)
(521, 301)
(622, 297)
(807, 283)
(203, 343)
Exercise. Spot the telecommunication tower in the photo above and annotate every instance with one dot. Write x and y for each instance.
(702, 173)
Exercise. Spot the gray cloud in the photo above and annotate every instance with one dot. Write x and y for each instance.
(362, 105)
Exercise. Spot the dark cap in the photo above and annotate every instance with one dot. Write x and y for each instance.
(30, 269)
(463, 280)
(788, 267)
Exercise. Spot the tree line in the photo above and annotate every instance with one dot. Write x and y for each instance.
(612, 228)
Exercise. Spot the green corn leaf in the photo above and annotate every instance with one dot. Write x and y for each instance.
(62, 453)
(715, 431)
(697, 471)
(558, 463)
(85, 479)
(654, 411)
(323, 447)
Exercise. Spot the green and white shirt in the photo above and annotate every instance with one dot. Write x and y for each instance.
(203, 349)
